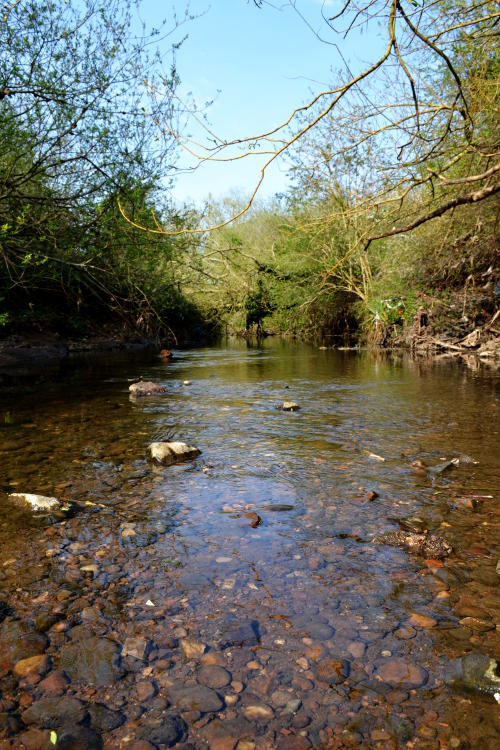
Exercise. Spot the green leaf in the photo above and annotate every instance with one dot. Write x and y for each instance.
(53, 737)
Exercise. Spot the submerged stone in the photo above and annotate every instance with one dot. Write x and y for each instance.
(239, 634)
(40, 506)
(333, 671)
(167, 733)
(401, 673)
(92, 661)
(18, 641)
(78, 738)
(198, 698)
(50, 711)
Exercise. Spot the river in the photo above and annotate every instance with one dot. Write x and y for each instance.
(245, 599)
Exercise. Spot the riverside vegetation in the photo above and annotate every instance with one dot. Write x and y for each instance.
(388, 233)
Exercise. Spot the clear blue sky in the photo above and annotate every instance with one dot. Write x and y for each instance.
(264, 62)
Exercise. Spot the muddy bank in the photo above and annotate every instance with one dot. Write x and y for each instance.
(39, 355)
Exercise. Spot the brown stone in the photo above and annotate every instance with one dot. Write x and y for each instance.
(38, 665)
(356, 649)
(192, 649)
(214, 676)
(34, 739)
(141, 745)
(379, 735)
(55, 682)
(258, 711)
(405, 633)
(422, 621)
(293, 742)
(223, 743)
(398, 672)
(213, 659)
(144, 691)
(480, 626)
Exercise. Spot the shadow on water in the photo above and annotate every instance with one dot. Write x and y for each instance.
(169, 606)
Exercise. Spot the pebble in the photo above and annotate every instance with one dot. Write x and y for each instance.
(192, 649)
(213, 676)
(38, 665)
(399, 672)
(105, 719)
(144, 691)
(167, 732)
(333, 671)
(405, 633)
(356, 649)
(422, 621)
(135, 646)
(55, 682)
(256, 712)
(199, 698)
(477, 624)
(212, 658)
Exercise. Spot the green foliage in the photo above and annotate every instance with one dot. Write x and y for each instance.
(76, 134)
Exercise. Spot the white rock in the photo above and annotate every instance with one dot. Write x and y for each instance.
(37, 503)
(170, 453)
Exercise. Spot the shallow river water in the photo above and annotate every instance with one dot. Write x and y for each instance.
(165, 614)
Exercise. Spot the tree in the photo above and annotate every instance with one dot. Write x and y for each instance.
(72, 82)
(424, 109)
(76, 129)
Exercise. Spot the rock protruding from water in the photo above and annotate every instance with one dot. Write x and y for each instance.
(429, 546)
(171, 453)
(476, 673)
(45, 508)
(146, 388)
(36, 503)
(289, 406)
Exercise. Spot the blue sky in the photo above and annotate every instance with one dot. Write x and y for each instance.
(258, 65)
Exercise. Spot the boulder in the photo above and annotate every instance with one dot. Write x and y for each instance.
(45, 508)
(146, 388)
(171, 453)
(36, 503)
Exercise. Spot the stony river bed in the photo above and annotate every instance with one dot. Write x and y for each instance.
(163, 615)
